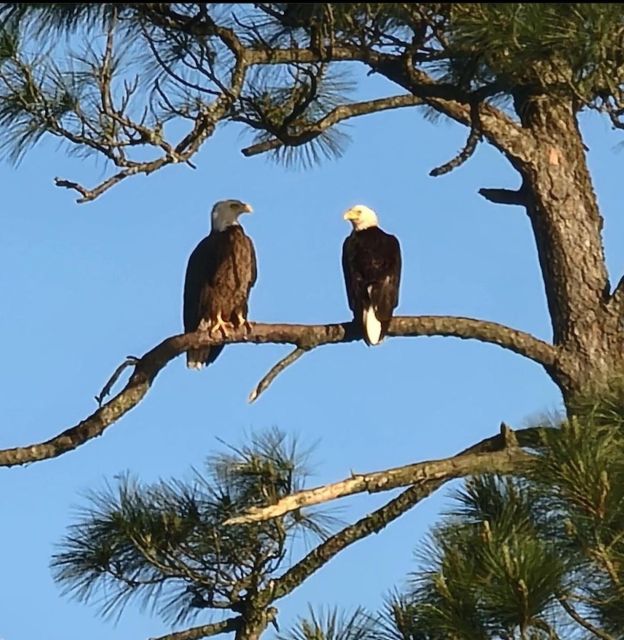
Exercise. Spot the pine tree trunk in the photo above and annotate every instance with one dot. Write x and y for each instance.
(567, 225)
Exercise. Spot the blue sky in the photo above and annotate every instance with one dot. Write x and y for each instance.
(85, 285)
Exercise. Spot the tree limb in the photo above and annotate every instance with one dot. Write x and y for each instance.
(275, 370)
(504, 196)
(303, 336)
(340, 113)
(477, 459)
(206, 630)
(372, 523)
(574, 614)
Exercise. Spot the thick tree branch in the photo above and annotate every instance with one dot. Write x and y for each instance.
(493, 455)
(206, 630)
(303, 336)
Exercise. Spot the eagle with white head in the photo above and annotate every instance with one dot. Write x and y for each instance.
(219, 276)
(371, 262)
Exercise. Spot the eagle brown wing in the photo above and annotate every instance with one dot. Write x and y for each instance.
(200, 273)
(371, 261)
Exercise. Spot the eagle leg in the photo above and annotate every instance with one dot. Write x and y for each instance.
(241, 321)
(219, 326)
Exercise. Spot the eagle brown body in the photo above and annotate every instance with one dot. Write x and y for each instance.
(371, 262)
(220, 274)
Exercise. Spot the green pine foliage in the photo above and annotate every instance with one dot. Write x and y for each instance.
(536, 556)
(330, 624)
(484, 51)
(166, 546)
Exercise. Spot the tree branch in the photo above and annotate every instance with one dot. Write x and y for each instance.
(504, 196)
(492, 455)
(216, 628)
(303, 336)
(574, 614)
(372, 523)
(275, 370)
(340, 113)
(474, 137)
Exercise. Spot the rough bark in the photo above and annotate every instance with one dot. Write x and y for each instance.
(567, 226)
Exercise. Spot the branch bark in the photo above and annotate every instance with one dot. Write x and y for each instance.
(206, 630)
(492, 455)
(504, 196)
(305, 337)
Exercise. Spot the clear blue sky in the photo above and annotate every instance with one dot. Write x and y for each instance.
(85, 285)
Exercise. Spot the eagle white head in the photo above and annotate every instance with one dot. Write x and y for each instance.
(225, 213)
(361, 217)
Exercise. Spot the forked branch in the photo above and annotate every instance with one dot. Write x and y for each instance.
(305, 337)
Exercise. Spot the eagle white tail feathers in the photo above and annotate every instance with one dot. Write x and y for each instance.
(372, 326)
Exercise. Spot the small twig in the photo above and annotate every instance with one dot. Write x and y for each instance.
(92, 194)
(508, 435)
(469, 148)
(275, 370)
(574, 614)
(130, 361)
(504, 196)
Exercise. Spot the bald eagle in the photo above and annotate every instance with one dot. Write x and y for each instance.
(219, 276)
(371, 262)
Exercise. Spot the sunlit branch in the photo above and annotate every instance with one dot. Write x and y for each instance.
(305, 337)
(493, 455)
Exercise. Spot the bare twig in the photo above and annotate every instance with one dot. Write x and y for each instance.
(275, 370)
(574, 614)
(469, 148)
(504, 196)
(504, 460)
(303, 336)
(92, 194)
(106, 389)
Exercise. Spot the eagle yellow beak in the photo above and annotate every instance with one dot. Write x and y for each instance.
(350, 215)
(247, 208)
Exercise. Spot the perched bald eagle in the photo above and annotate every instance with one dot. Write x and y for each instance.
(371, 262)
(219, 276)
